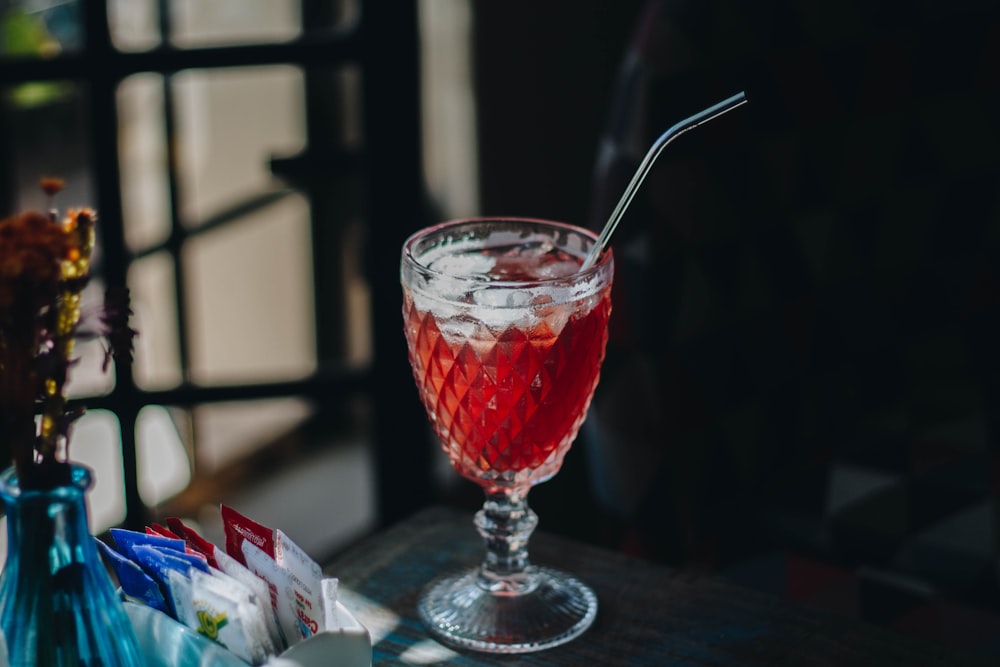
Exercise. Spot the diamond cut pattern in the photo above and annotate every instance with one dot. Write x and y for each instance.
(508, 404)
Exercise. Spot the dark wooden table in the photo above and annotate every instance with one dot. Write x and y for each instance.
(649, 615)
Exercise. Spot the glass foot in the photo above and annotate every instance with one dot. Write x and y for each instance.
(462, 611)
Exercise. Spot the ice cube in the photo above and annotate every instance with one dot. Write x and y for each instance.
(530, 249)
(502, 298)
(557, 269)
(465, 264)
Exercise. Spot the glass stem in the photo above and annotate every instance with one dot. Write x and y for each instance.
(505, 523)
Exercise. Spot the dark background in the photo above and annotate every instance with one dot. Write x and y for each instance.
(802, 389)
(545, 74)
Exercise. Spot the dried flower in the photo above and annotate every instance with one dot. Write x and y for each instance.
(51, 185)
(44, 266)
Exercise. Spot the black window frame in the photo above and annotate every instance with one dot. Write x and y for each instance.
(382, 42)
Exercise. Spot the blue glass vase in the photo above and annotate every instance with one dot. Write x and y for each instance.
(57, 603)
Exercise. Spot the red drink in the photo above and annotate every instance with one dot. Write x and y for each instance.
(507, 386)
(506, 336)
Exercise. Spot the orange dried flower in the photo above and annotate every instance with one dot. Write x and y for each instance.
(52, 186)
(44, 266)
(32, 247)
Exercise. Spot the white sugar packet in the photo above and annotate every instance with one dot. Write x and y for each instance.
(222, 612)
(261, 591)
(306, 578)
(279, 587)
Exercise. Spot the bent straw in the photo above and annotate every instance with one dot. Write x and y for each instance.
(677, 130)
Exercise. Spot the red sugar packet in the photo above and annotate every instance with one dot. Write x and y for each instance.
(193, 540)
(299, 573)
(239, 528)
(157, 529)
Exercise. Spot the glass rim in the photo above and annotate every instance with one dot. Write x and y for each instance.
(411, 241)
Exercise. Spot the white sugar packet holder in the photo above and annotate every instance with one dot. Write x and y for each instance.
(168, 643)
(236, 606)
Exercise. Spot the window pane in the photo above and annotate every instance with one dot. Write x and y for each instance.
(448, 113)
(154, 303)
(227, 432)
(164, 466)
(96, 443)
(219, 22)
(250, 296)
(230, 123)
(142, 151)
(134, 24)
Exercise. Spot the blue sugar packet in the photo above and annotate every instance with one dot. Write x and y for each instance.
(159, 563)
(125, 540)
(196, 561)
(134, 581)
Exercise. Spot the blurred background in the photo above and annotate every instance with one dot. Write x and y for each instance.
(226, 147)
(802, 385)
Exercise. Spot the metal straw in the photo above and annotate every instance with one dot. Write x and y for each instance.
(647, 162)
